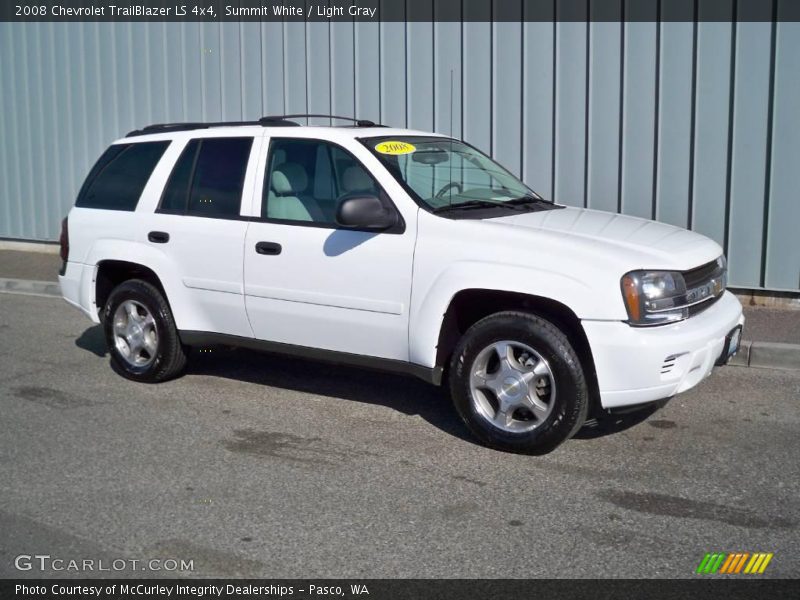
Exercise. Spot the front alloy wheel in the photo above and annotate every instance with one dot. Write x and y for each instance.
(518, 384)
(512, 386)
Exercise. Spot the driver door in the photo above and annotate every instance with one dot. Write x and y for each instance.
(311, 283)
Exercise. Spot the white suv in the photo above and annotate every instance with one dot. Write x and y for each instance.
(393, 249)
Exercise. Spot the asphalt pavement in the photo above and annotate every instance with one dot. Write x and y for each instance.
(257, 465)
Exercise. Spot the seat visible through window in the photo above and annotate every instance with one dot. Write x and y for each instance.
(307, 179)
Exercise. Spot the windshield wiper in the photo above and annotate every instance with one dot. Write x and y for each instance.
(478, 204)
(530, 199)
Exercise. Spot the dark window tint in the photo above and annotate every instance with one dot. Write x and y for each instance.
(219, 177)
(208, 178)
(177, 191)
(307, 179)
(118, 178)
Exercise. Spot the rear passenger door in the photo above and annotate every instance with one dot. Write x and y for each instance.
(199, 226)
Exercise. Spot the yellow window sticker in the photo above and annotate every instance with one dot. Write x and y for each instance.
(395, 148)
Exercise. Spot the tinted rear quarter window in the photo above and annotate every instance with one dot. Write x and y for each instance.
(208, 178)
(177, 191)
(117, 180)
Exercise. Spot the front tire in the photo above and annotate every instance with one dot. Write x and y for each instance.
(518, 384)
(140, 333)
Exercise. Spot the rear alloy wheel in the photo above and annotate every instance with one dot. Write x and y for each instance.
(141, 334)
(518, 384)
(135, 334)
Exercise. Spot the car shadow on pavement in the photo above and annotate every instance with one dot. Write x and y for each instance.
(93, 340)
(403, 394)
(406, 395)
(606, 424)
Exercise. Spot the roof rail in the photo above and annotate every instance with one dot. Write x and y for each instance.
(268, 121)
(358, 122)
(188, 126)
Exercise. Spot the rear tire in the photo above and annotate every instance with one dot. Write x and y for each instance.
(518, 384)
(140, 333)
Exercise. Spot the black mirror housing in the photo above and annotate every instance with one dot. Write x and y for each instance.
(365, 211)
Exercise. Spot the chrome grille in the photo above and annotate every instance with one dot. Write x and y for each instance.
(705, 285)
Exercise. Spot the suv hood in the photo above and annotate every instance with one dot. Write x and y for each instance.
(645, 244)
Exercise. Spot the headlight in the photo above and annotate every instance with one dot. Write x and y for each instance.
(660, 297)
(654, 297)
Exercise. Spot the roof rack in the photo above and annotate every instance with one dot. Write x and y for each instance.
(358, 122)
(268, 121)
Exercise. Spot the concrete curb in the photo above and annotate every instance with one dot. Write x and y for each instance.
(48, 289)
(765, 355)
(25, 246)
(774, 355)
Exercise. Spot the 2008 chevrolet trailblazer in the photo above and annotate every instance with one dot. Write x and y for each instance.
(394, 249)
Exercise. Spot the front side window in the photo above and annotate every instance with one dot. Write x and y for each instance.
(307, 179)
(208, 178)
(118, 178)
(443, 174)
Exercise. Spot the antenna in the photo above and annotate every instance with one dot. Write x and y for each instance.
(451, 103)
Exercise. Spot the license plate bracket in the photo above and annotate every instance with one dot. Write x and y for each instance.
(733, 342)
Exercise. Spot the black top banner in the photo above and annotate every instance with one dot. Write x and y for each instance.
(400, 10)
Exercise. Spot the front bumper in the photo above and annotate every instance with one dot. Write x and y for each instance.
(641, 364)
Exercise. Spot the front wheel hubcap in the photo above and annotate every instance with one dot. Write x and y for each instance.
(512, 386)
(135, 333)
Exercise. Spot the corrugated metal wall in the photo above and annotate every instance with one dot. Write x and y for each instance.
(696, 124)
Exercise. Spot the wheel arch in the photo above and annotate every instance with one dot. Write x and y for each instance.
(112, 272)
(468, 306)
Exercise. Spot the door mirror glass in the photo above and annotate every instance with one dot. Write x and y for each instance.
(365, 211)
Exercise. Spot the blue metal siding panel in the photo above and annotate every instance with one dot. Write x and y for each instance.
(393, 74)
(507, 94)
(478, 84)
(639, 113)
(37, 146)
(343, 69)
(156, 73)
(749, 152)
(59, 199)
(419, 53)
(570, 125)
(230, 71)
(8, 210)
(192, 72)
(537, 107)
(367, 71)
(447, 78)
(674, 123)
(174, 87)
(712, 99)
(318, 69)
(71, 88)
(295, 63)
(250, 69)
(273, 78)
(783, 242)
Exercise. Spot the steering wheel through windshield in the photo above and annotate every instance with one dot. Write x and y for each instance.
(446, 188)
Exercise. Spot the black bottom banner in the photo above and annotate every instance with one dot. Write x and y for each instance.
(398, 589)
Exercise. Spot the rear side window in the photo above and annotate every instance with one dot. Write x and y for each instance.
(208, 178)
(117, 180)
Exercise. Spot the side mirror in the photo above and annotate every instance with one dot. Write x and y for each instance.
(365, 212)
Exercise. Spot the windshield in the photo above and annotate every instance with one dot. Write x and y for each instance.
(447, 174)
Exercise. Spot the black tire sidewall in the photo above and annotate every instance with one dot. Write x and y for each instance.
(147, 295)
(571, 402)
